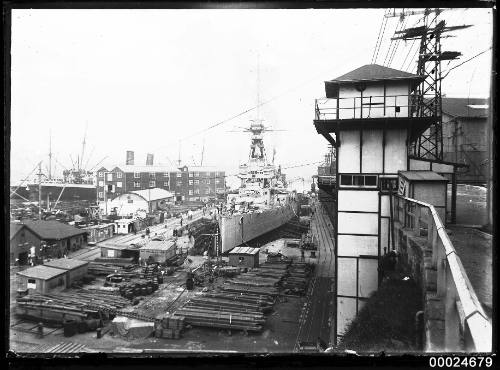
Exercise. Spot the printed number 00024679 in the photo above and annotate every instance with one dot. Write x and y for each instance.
(461, 361)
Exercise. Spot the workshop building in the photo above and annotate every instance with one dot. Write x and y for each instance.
(23, 243)
(75, 269)
(244, 257)
(41, 279)
(98, 233)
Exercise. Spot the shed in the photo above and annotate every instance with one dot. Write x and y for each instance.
(244, 257)
(75, 269)
(140, 201)
(98, 233)
(112, 250)
(41, 279)
(426, 186)
(159, 250)
(125, 226)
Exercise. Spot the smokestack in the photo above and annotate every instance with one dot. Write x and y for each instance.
(130, 157)
(149, 160)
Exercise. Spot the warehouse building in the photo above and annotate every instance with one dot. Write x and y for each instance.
(23, 243)
(41, 279)
(244, 257)
(75, 269)
(60, 238)
(140, 202)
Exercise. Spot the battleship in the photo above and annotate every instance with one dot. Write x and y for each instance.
(262, 202)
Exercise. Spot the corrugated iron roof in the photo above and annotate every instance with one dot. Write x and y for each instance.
(422, 176)
(42, 272)
(466, 107)
(66, 263)
(374, 72)
(244, 250)
(159, 245)
(53, 230)
(153, 194)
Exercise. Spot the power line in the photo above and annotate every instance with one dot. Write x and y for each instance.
(396, 46)
(465, 61)
(379, 38)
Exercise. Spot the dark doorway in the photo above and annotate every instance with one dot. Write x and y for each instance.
(23, 258)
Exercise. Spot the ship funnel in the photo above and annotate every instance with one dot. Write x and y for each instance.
(130, 157)
(149, 159)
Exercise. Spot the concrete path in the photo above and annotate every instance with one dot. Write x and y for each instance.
(317, 319)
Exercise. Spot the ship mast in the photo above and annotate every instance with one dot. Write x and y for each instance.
(50, 154)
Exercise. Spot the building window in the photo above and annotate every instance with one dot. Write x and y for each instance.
(179, 183)
(196, 182)
(197, 191)
(101, 183)
(119, 175)
(165, 184)
(130, 200)
(388, 183)
(101, 174)
(179, 174)
(196, 174)
(207, 191)
(137, 175)
(190, 174)
(137, 184)
(101, 194)
(110, 177)
(208, 181)
(190, 192)
(119, 184)
(367, 181)
(217, 181)
(190, 182)
(165, 174)
(152, 175)
(152, 184)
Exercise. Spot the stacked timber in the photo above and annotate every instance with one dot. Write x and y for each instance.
(255, 290)
(297, 279)
(100, 268)
(138, 288)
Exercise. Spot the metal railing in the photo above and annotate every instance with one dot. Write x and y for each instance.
(466, 324)
(372, 106)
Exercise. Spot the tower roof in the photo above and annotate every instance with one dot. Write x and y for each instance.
(374, 72)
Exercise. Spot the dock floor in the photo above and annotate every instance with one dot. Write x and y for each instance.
(317, 321)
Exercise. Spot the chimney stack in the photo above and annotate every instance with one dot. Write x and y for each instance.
(130, 157)
(149, 160)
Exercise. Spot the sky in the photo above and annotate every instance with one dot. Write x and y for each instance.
(153, 81)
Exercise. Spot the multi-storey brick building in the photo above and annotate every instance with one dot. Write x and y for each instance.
(187, 183)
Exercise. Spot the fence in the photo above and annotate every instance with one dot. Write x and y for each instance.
(466, 326)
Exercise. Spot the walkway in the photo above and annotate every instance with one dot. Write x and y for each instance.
(318, 316)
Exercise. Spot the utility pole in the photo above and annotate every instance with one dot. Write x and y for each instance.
(50, 155)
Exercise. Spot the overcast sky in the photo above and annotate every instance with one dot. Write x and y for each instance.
(145, 80)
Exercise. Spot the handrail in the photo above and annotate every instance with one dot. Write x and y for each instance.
(370, 106)
(453, 284)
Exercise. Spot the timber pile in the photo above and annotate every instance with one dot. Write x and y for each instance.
(297, 279)
(138, 288)
(97, 268)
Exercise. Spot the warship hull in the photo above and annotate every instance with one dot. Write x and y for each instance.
(240, 228)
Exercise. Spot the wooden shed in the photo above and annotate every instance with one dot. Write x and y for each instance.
(41, 279)
(244, 257)
(426, 186)
(75, 269)
(110, 250)
(159, 250)
(98, 233)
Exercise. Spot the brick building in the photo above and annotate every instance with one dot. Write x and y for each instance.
(187, 183)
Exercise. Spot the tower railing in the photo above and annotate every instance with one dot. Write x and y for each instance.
(466, 325)
(370, 106)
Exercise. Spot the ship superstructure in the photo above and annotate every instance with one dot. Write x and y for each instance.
(262, 203)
